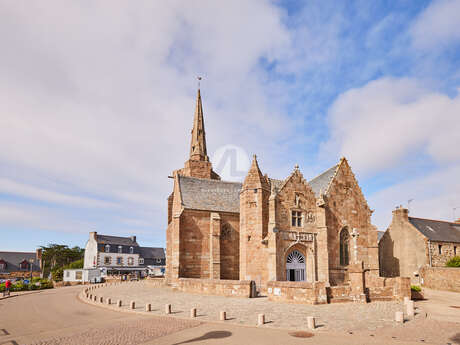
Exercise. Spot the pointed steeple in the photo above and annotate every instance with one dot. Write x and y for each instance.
(255, 178)
(198, 144)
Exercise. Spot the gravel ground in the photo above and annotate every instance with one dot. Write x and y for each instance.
(337, 317)
(126, 333)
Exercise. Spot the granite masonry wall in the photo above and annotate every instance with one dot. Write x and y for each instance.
(441, 278)
(235, 288)
(297, 292)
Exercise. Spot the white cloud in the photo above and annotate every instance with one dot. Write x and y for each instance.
(434, 196)
(98, 98)
(380, 124)
(437, 26)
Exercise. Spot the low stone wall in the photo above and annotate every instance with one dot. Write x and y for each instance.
(235, 288)
(338, 294)
(387, 289)
(297, 292)
(157, 282)
(441, 278)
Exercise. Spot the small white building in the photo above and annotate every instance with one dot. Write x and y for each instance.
(82, 275)
(121, 255)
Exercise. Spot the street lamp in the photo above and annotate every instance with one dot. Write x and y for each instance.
(31, 261)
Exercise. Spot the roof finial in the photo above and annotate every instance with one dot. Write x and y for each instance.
(296, 167)
(199, 79)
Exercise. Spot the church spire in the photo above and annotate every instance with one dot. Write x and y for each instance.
(198, 144)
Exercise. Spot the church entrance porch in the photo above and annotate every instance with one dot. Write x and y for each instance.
(295, 267)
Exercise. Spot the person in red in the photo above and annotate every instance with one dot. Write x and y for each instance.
(7, 288)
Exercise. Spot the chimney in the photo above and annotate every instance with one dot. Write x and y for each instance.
(401, 214)
(93, 235)
(133, 238)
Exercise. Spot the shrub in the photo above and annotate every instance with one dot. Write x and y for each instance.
(75, 265)
(415, 288)
(453, 262)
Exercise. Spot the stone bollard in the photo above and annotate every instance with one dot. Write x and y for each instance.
(101, 299)
(148, 307)
(119, 303)
(406, 299)
(193, 312)
(90, 296)
(260, 319)
(95, 298)
(109, 301)
(223, 316)
(167, 308)
(410, 309)
(133, 305)
(311, 322)
(399, 316)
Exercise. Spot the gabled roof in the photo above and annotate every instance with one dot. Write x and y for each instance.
(209, 195)
(13, 259)
(380, 235)
(321, 183)
(151, 253)
(116, 240)
(437, 230)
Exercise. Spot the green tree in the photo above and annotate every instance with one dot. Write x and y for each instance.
(56, 256)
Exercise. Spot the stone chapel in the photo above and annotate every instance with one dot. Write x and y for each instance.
(266, 229)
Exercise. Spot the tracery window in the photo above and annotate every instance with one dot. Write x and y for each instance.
(226, 232)
(344, 250)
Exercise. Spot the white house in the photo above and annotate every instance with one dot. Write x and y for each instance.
(122, 255)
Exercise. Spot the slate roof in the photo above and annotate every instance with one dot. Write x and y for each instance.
(321, 182)
(275, 184)
(210, 195)
(380, 235)
(437, 230)
(13, 259)
(151, 253)
(116, 240)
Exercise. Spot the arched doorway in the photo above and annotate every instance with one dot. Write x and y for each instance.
(295, 266)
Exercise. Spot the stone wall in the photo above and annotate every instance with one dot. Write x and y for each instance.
(235, 288)
(297, 292)
(441, 278)
(379, 288)
(441, 252)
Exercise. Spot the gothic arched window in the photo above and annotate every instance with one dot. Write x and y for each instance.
(344, 240)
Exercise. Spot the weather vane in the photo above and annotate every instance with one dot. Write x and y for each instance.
(199, 79)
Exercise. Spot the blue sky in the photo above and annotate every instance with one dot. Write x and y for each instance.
(97, 101)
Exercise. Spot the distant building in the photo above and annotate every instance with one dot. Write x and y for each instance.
(20, 264)
(114, 254)
(411, 243)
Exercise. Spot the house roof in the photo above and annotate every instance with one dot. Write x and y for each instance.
(380, 235)
(437, 230)
(13, 259)
(152, 253)
(210, 195)
(116, 240)
(275, 184)
(321, 182)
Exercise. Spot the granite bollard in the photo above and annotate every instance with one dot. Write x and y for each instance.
(193, 312)
(311, 322)
(167, 308)
(133, 305)
(399, 316)
(410, 309)
(223, 316)
(260, 319)
(148, 307)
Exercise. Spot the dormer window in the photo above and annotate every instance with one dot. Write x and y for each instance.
(296, 218)
(131, 250)
(24, 265)
(141, 261)
(107, 248)
(120, 249)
